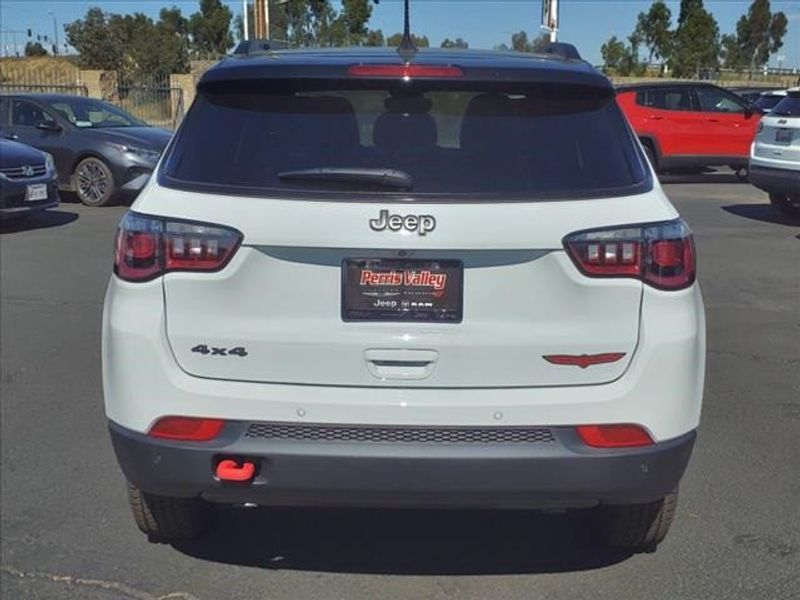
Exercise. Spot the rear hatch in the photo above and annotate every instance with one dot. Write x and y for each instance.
(403, 231)
(778, 138)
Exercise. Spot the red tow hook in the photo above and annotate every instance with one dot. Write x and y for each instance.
(230, 470)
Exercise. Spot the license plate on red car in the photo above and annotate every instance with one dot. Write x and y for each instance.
(402, 290)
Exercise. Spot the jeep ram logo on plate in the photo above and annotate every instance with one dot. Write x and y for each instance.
(422, 224)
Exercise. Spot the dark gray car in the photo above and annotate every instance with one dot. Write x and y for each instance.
(99, 149)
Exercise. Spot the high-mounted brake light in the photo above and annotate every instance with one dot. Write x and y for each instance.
(405, 71)
(187, 429)
(150, 246)
(660, 254)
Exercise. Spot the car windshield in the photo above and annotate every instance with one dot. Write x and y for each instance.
(96, 114)
(420, 138)
(788, 107)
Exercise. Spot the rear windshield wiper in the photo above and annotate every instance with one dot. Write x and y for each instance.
(386, 178)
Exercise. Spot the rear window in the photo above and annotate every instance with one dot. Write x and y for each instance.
(768, 102)
(522, 141)
(788, 107)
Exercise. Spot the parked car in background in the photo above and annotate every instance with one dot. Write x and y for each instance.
(27, 180)
(690, 126)
(767, 101)
(750, 94)
(775, 155)
(99, 149)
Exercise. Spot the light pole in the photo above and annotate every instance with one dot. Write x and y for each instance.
(55, 31)
(550, 18)
(245, 10)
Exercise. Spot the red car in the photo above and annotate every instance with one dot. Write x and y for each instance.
(689, 126)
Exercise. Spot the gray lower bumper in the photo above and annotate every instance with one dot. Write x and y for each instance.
(563, 473)
(776, 181)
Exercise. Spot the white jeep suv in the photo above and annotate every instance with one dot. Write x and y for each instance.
(362, 279)
(775, 154)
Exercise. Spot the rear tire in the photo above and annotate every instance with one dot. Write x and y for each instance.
(638, 527)
(742, 174)
(164, 519)
(785, 204)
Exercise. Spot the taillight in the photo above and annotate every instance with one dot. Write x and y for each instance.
(405, 71)
(151, 246)
(187, 429)
(660, 254)
(614, 436)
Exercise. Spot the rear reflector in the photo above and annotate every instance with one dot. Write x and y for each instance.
(405, 71)
(583, 360)
(187, 429)
(150, 246)
(614, 436)
(660, 254)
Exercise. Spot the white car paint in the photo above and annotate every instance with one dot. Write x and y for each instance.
(305, 364)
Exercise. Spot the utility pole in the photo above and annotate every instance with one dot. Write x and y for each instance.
(261, 19)
(550, 18)
(55, 31)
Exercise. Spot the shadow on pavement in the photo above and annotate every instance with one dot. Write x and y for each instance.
(762, 212)
(38, 220)
(708, 176)
(404, 542)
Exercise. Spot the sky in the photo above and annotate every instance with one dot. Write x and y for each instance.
(483, 23)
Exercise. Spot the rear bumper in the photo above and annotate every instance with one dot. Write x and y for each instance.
(778, 181)
(558, 472)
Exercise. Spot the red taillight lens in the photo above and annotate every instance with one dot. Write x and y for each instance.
(661, 254)
(405, 71)
(149, 246)
(188, 429)
(614, 436)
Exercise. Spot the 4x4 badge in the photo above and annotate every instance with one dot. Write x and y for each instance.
(422, 224)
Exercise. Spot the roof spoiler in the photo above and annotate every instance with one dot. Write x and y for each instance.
(566, 51)
(258, 47)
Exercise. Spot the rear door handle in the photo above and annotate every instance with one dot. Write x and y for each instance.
(12, 136)
(401, 364)
(655, 118)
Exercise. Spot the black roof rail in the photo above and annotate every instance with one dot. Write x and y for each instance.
(258, 46)
(563, 50)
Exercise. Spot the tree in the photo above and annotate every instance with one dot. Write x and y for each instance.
(374, 38)
(210, 28)
(697, 43)
(521, 43)
(686, 6)
(35, 49)
(613, 53)
(131, 44)
(653, 29)
(93, 38)
(420, 41)
(758, 34)
(458, 43)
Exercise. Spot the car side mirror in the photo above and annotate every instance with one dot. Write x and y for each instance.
(750, 110)
(49, 126)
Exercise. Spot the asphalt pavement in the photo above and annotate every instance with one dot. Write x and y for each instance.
(67, 531)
